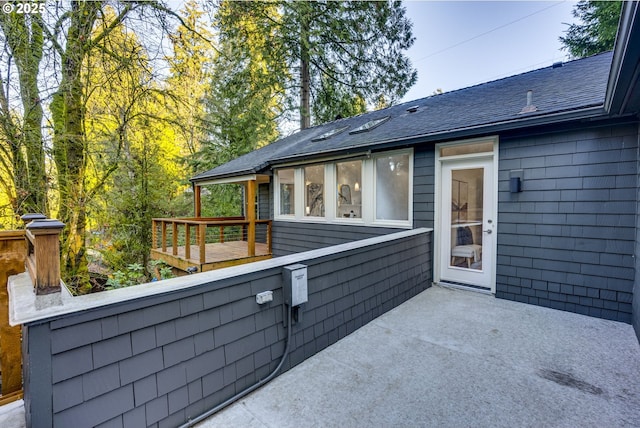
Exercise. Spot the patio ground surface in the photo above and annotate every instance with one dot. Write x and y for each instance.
(453, 358)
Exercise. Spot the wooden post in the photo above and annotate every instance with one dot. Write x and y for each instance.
(187, 244)
(251, 217)
(202, 234)
(12, 257)
(154, 234)
(174, 238)
(197, 202)
(43, 255)
(164, 236)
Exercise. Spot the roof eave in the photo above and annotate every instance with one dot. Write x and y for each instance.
(623, 89)
(249, 171)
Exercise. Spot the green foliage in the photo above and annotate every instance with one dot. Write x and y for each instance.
(161, 268)
(134, 274)
(597, 31)
(353, 51)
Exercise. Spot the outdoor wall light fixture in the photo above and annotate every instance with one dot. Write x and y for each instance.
(515, 180)
(515, 185)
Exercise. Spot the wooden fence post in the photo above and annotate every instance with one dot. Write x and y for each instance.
(43, 255)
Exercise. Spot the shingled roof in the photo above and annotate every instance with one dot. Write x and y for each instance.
(566, 91)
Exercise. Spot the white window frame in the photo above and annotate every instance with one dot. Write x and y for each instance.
(368, 185)
(392, 223)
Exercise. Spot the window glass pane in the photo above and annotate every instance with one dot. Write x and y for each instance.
(466, 149)
(392, 187)
(349, 180)
(287, 191)
(314, 191)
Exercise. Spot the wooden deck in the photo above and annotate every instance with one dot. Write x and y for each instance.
(218, 255)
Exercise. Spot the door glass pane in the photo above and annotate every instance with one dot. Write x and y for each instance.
(349, 198)
(467, 187)
(314, 191)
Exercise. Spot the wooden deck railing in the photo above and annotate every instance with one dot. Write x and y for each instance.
(13, 250)
(174, 233)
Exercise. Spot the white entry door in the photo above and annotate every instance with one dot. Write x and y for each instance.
(467, 222)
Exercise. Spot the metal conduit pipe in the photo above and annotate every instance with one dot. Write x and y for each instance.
(205, 415)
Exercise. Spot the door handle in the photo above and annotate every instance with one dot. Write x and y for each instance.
(488, 231)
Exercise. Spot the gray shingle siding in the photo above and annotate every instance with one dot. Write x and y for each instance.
(636, 286)
(171, 357)
(567, 241)
(423, 186)
(295, 237)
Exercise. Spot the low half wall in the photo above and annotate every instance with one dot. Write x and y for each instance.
(160, 354)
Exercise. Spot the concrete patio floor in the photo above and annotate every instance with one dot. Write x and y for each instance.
(457, 358)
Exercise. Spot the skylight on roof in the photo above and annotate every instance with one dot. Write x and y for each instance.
(370, 125)
(329, 134)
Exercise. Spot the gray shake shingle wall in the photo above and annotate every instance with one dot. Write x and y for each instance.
(423, 186)
(567, 240)
(636, 286)
(294, 237)
(158, 361)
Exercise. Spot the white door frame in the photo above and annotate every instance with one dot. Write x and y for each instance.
(438, 201)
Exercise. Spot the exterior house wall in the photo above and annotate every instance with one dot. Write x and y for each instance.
(636, 286)
(265, 210)
(160, 360)
(567, 241)
(294, 237)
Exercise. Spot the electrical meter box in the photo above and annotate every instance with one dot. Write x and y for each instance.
(295, 285)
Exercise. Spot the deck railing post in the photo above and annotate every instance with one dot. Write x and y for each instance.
(174, 238)
(202, 233)
(154, 234)
(164, 236)
(251, 217)
(187, 243)
(269, 237)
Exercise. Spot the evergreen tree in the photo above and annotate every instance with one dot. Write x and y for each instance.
(597, 31)
(329, 55)
(243, 103)
(190, 67)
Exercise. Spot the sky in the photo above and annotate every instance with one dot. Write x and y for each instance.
(463, 43)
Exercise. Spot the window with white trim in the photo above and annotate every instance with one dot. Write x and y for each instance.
(286, 192)
(314, 191)
(375, 191)
(392, 187)
(349, 195)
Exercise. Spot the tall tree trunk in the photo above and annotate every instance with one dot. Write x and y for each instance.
(305, 77)
(70, 146)
(25, 39)
(36, 200)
